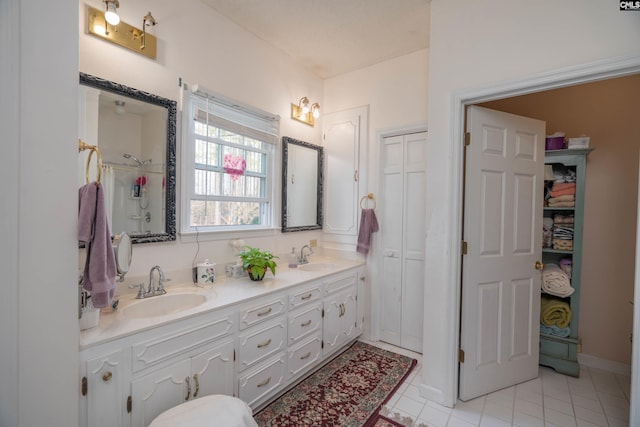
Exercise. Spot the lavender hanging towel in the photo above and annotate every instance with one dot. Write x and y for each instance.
(99, 276)
(368, 225)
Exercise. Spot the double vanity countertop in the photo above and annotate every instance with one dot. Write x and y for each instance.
(192, 300)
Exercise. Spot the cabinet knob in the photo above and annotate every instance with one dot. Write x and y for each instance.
(107, 376)
(539, 265)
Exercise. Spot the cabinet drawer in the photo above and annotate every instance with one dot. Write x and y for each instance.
(304, 355)
(338, 283)
(303, 297)
(304, 322)
(258, 384)
(153, 351)
(260, 343)
(261, 312)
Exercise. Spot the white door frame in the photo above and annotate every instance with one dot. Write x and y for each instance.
(374, 330)
(585, 73)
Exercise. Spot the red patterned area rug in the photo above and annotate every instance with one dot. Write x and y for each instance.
(346, 392)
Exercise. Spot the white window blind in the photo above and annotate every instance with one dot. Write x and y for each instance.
(229, 163)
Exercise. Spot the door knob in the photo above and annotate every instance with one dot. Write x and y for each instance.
(539, 265)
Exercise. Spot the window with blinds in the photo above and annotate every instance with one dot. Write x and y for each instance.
(230, 164)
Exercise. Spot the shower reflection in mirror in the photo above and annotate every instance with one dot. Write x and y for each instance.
(135, 131)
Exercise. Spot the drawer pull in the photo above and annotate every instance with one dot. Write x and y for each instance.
(264, 383)
(188, 381)
(307, 296)
(306, 356)
(264, 313)
(305, 324)
(106, 376)
(264, 344)
(195, 378)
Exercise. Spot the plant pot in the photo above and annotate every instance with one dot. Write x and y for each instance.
(257, 279)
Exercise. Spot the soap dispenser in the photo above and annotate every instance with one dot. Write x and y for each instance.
(293, 258)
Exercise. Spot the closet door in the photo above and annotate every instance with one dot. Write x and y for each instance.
(391, 225)
(402, 211)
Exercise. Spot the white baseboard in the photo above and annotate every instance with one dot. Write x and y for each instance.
(604, 364)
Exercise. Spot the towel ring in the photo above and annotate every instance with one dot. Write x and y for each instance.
(92, 148)
(369, 196)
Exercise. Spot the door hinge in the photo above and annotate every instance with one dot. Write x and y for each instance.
(129, 404)
(467, 138)
(84, 386)
(464, 247)
(461, 355)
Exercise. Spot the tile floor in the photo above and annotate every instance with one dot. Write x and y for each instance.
(596, 398)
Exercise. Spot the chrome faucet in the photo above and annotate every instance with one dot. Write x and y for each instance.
(303, 257)
(152, 289)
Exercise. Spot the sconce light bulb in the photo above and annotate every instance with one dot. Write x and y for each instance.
(111, 15)
(304, 105)
(315, 108)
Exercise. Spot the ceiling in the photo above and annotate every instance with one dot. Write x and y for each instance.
(333, 37)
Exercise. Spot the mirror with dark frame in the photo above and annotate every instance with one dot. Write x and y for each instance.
(302, 166)
(136, 134)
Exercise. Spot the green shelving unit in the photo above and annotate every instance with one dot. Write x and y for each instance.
(561, 354)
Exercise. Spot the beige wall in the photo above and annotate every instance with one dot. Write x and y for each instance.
(604, 111)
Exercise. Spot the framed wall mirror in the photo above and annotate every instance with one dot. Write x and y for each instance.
(136, 134)
(302, 166)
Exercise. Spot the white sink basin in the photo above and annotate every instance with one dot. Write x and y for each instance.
(162, 305)
(317, 266)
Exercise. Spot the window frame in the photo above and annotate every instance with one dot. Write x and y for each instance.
(191, 100)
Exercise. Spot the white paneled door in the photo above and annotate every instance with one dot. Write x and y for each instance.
(503, 232)
(402, 224)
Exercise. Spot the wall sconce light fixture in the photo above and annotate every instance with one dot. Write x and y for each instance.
(101, 24)
(304, 112)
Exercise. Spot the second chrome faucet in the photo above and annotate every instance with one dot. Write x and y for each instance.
(303, 257)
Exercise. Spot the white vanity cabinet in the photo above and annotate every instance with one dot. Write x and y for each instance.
(340, 323)
(210, 371)
(105, 385)
(261, 346)
(254, 348)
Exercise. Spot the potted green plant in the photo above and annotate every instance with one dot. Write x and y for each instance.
(257, 262)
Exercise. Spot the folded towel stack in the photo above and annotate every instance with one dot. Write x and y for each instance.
(562, 194)
(563, 232)
(555, 331)
(554, 312)
(556, 282)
